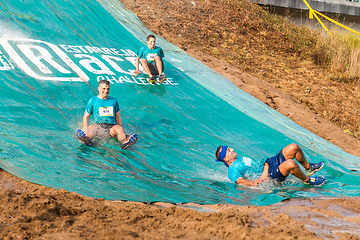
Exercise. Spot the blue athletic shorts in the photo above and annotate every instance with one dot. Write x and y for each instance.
(274, 163)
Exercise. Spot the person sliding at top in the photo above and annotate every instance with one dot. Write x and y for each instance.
(242, 170)
(107, 119)
(150, 57)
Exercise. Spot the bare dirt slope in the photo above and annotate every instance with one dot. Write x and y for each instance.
(30, 211)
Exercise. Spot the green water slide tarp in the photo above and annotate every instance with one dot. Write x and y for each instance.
(53, 53)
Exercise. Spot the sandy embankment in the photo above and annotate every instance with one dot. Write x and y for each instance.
(30, 211)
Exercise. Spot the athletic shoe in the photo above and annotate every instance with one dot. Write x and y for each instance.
(130, 140)
(152, 80)
(162, 78)
(315, 181)
(314, 167)
(82, 136)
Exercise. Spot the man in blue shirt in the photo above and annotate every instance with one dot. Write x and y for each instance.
(107, 117)
(151, 57)
(242, 170)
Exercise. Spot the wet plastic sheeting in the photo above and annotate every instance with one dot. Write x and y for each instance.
(53, 53)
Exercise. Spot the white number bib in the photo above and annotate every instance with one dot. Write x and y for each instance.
(151, 57)
(106, 111)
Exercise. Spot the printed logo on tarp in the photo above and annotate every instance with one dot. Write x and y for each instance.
(46, 61)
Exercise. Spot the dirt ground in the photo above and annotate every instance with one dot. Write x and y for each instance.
(30, 211)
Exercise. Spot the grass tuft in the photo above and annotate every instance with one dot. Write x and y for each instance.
(339, 53)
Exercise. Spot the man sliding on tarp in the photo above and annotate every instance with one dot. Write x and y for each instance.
(242, 170)
(150, 57)
(107, 119)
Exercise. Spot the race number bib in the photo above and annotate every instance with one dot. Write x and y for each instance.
(106, 111)
(151, 57)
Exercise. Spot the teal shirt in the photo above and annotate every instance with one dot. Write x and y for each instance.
(149, 54)
(104, 110)
(246, 168)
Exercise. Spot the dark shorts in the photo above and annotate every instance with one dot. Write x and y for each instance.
(274, 163)
(153, 69)
(106, 127)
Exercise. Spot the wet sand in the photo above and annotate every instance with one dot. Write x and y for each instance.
(31, 211)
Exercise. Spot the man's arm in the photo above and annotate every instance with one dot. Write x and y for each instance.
(118, 118)
(86, 120)
(244, 182)
(137, 65)
(265, 172)
(249, 183)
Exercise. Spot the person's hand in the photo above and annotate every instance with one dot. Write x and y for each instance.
(257, 182)
(137, 72)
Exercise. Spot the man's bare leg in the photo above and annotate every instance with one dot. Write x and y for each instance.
(118, 131)
(158, 64)
(294, 151)
(144, 64)
(92, 131)
(290, 166)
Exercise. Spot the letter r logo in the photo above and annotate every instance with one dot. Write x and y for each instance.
(42, 60)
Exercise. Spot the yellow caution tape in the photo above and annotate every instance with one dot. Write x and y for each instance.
(314, 13)
(337, 23)
(311, 14)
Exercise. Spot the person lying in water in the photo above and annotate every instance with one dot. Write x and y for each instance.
(278, 167)
(108, 122)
